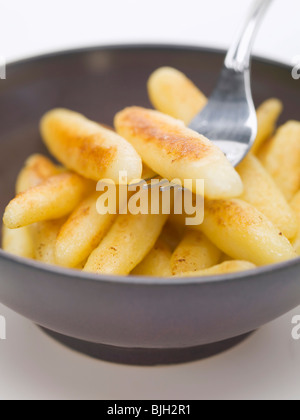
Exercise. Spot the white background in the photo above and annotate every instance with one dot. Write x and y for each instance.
(32, 366)
(33, 26)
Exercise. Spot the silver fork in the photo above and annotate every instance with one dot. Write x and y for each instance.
(229, 118)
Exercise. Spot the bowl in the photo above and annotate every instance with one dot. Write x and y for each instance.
(131, 319)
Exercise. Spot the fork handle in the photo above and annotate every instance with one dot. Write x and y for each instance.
(239, 55)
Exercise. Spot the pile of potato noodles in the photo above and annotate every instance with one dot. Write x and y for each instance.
(252, 213)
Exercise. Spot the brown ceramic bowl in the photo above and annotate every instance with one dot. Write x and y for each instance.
(123, 319)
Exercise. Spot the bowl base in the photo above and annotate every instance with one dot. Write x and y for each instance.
(145, 357)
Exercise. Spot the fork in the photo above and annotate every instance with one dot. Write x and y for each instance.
(229, 119)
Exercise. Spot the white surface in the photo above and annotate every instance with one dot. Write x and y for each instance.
(33, 26)
(32, 366)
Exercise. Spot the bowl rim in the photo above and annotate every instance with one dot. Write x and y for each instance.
(142, 280)
(139, 46)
